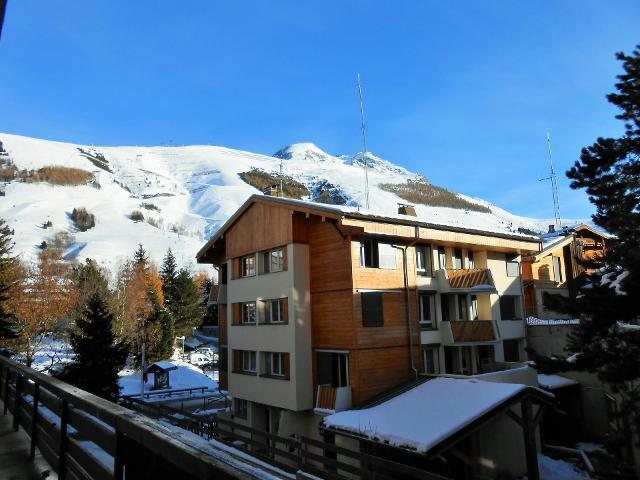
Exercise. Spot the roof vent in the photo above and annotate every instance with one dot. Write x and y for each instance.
(552, 229)
(405, 209)
(273, 191)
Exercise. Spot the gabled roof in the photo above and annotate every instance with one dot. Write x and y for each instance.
(342, 211)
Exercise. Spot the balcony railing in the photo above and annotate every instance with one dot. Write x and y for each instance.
(333, 399)
(476, 331)
(466, 280)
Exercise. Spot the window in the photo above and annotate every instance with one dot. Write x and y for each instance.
(273, 261)
(372, 314)
(511, 350)
(274, 311)
(557, 269)
(509, 307)
(474, 307)
(430, 355)
(462, 307)
(457, 258)
(240, 408)
(249, 361)
(275, 364)
(332, 368)
(377, 255)
(248, 266)
(470, 259)
(248, 312)
(444, 305)
(423, 260)
(427, 311)
(442, 258)
(513, 268)
(369, 253)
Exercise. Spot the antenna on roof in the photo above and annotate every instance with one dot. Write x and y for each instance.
(364, 147)
(554, 185)
(281, 185)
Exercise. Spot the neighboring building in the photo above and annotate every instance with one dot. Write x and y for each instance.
(558, 269)
(322, 307)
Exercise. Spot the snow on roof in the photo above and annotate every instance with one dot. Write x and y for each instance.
(533, 321)
(404, 421)
(165, 365)
(628, 326)
(187, 376)
(555, 381)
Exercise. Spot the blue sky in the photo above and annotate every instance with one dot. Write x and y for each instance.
(462, 92)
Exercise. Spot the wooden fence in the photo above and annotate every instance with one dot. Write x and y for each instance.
(292, 454)
(85, 437)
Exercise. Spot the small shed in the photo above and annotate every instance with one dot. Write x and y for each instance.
(160, 372)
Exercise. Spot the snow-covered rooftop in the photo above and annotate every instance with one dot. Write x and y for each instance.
(427, 414)
(552, 382)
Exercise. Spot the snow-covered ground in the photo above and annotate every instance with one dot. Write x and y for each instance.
(551, 469)
(195, 188)
(186, 376)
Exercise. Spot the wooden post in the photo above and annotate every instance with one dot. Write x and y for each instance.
(16, 402)
(62, 452)
(34, 419)
(119, 461)
(7, 372)
(531, 450)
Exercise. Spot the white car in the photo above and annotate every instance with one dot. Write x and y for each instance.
(208, 352)
(199, 359)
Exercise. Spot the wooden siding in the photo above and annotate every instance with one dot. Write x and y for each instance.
(476, 331)
(332, 320)
(468, 277)
(260, 227)
(330, 258)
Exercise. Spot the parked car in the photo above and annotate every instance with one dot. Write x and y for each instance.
(209, 352)
(198, 359)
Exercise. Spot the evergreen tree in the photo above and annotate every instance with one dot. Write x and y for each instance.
(140, 257)
(7, 269)
(168, 274)
(607, 341)
(99, 357)
(186, 308)
(163, 319)
(90, 279)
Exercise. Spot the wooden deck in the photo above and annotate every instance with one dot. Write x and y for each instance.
(15, 463)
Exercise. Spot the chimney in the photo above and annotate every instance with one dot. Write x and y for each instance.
(552, 229)
(273, 191)
(404, 209)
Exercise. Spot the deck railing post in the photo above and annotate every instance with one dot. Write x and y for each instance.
(16, 402)
(119, 460)
(34, 419)
(62, 452)
(7, 373)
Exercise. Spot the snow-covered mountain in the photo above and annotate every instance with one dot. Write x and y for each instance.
(186, 193)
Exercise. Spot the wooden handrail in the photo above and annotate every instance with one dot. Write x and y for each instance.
(137, 437)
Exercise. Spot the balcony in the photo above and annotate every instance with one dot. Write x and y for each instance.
(332, 399)
(466, 280)
(469, 332)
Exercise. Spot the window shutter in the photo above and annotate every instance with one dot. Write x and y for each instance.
(237, 361)
(267, 363)
(386, 256)
(285, 258)
(285, 310)
(237, 314)
(286, 365)
(235, 263)
(372, 313)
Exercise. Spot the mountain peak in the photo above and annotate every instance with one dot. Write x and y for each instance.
(303, 151)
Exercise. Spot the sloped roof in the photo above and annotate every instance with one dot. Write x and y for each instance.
(425, 416)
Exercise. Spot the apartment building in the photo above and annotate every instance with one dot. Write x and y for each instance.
(322, 308)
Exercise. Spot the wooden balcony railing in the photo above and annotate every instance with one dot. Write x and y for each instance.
(467, 278)
(333, 399)
(475, 331)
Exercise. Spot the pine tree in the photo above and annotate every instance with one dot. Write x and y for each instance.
(609, 171)
(168, 274)
(90, 279)
(7, 280)
(161, 317)
(140, 257)
(99, 357)
(186, 308)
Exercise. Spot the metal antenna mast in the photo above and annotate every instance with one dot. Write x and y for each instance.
(364, 147)
(554, 185)
(281, 185)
